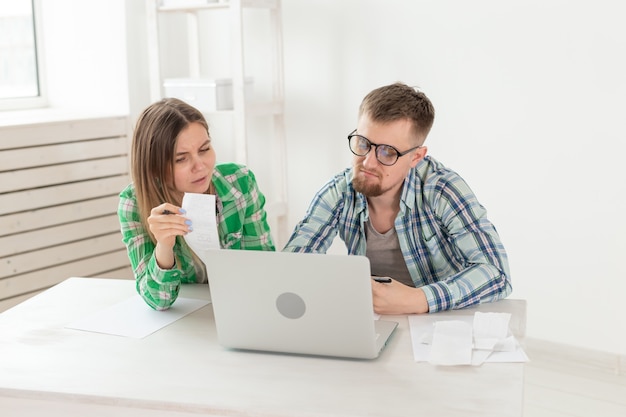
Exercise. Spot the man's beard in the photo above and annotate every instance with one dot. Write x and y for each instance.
(364, 187)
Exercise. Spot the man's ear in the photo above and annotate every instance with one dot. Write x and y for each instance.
(419, 154)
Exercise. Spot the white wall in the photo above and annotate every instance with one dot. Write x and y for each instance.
(530, 105)
(85, 56)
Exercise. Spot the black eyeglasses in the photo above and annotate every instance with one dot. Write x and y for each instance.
(385, 154)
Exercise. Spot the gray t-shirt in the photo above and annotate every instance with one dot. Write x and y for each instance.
(383, 251)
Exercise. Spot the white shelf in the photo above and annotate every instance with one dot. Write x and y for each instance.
(265, 108)
(191, 7)
(243, 106)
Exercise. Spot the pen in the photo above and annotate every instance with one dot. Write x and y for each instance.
(382, 280)
(180, 211)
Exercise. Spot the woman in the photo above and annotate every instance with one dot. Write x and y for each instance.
(172, 154)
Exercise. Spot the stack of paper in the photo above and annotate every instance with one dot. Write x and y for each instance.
(464, 340)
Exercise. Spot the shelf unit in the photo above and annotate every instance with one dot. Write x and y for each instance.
(271, 107)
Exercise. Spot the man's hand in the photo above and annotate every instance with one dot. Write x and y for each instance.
(397, 298)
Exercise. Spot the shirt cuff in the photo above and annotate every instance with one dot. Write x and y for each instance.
(165, 276)
(438, 296)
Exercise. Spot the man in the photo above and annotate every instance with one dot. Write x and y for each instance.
(417, 221)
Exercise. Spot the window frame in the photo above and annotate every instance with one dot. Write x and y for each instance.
(22, 103)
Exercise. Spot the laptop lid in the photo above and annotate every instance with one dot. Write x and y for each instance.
(298, 303)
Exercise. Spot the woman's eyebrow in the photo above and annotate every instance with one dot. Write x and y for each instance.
(207, 142)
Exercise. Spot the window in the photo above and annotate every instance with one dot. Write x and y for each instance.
(20, 79)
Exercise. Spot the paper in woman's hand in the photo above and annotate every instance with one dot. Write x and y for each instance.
(200, 209)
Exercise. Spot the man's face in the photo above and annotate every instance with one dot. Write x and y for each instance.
(370, 177)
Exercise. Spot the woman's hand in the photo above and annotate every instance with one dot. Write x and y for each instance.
(166, 222)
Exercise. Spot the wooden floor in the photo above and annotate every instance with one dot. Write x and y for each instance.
(562, 381)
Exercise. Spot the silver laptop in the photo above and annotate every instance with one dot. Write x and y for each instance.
(297, 303)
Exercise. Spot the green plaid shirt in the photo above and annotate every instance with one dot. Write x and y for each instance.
(242, 224)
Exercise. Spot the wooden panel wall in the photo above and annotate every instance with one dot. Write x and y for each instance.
(59, 186)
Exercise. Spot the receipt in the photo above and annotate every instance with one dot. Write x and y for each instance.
(464, 339)
(490, 329)
(452, 343)
(200, 209)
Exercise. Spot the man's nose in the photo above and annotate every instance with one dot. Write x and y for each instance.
(370, 159)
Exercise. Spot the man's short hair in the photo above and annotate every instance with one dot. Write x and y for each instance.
(399, 101)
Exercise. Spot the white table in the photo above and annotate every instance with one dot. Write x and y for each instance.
(46, 369)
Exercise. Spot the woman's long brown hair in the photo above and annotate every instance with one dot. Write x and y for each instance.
(152, 153)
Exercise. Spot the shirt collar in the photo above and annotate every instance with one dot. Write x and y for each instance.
(409, 188)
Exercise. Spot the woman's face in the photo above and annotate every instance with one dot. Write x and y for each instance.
(194, 160)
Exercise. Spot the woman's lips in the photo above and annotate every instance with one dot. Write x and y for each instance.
(200, 180)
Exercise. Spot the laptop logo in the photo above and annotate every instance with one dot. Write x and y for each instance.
(290, 305)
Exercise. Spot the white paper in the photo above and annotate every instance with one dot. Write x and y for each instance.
(422, 334)
(452, 343)
(200, 209)
(134, 318)
(490, 329)
(509, 344)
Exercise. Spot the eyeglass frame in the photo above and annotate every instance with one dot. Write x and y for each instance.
(376, 145)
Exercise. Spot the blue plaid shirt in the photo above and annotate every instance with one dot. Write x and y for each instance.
(451, 249)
